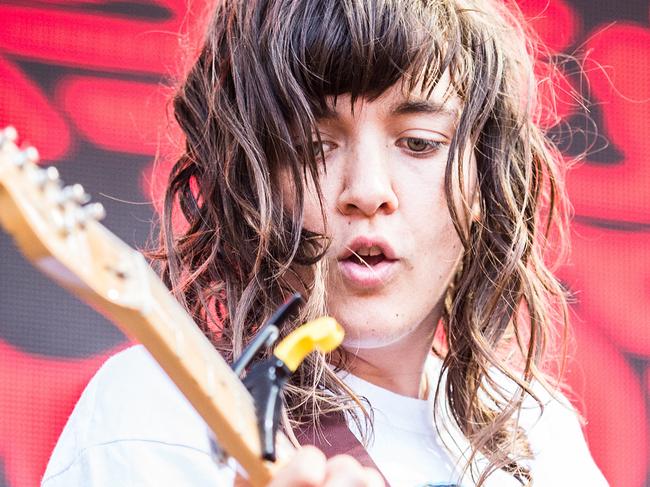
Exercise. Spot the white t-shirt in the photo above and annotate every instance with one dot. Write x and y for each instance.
(132, 427)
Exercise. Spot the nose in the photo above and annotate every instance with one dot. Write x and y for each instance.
(367, 185)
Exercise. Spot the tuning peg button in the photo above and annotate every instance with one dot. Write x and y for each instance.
(76, 193)
(29, 155)
(8, 134)
(96, 211)
(81, 215)
(52, 174)
(42, 177)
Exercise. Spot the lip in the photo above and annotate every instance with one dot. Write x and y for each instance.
(368, 277)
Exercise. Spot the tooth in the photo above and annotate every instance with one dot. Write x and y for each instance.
(369, 251)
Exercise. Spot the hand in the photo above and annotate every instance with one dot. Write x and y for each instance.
(310, 468)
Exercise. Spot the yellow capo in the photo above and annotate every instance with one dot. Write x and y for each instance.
(323, 334)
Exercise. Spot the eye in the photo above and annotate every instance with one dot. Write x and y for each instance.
(420, 146)
(322, 148)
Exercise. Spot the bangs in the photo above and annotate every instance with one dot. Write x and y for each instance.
(362, 48)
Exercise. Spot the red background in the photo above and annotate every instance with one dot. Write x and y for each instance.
(81, 80)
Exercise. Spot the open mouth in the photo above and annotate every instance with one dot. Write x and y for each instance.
(368, 264)
(366, 260)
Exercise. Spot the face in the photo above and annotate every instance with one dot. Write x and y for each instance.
(393, 248)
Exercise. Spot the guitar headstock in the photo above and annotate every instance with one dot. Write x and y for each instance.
(56, 227)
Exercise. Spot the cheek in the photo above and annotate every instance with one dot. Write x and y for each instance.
(313, 216)
(435, 241)
(317, 218)
(440, 248)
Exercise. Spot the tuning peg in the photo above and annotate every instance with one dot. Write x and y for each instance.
(52, 174)
(95, 211)
(29, 155)
(48, 175)
(76, 193)
(79, 217)
(8, 134)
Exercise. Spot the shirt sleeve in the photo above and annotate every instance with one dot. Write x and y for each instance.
(141, 463)
(133, 427)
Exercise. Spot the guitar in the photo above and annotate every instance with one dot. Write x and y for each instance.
(58, 230)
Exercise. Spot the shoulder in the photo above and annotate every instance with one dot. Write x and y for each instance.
(131, 396)
(554, 430)
(130, 402)
(560, 452)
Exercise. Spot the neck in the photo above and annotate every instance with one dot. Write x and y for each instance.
(398, 367)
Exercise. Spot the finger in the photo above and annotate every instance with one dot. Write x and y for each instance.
(344, 471)
(306, 469)
(241, 481)
(374, 478)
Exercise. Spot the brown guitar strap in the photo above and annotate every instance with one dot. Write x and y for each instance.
(335, 438)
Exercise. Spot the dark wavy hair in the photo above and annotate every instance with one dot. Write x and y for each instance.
(248, 108)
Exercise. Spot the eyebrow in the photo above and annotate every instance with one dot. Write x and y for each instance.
(411, 107)
(408, 107)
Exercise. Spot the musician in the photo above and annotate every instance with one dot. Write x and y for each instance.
(384, 159)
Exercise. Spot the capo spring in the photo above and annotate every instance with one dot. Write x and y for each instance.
(269, 333)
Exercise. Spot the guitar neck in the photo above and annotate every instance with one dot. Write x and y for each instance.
(83, 256)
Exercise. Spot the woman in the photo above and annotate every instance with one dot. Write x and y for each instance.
(382, 158)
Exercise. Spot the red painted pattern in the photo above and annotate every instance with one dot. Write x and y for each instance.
(609, 393)
(20, 100)
(609, 271)
(66, 38)
(92, 40)
(554, 21)
(619, 75)
(122, 116)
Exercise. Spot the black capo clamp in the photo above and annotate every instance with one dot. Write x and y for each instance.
(265, 379)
